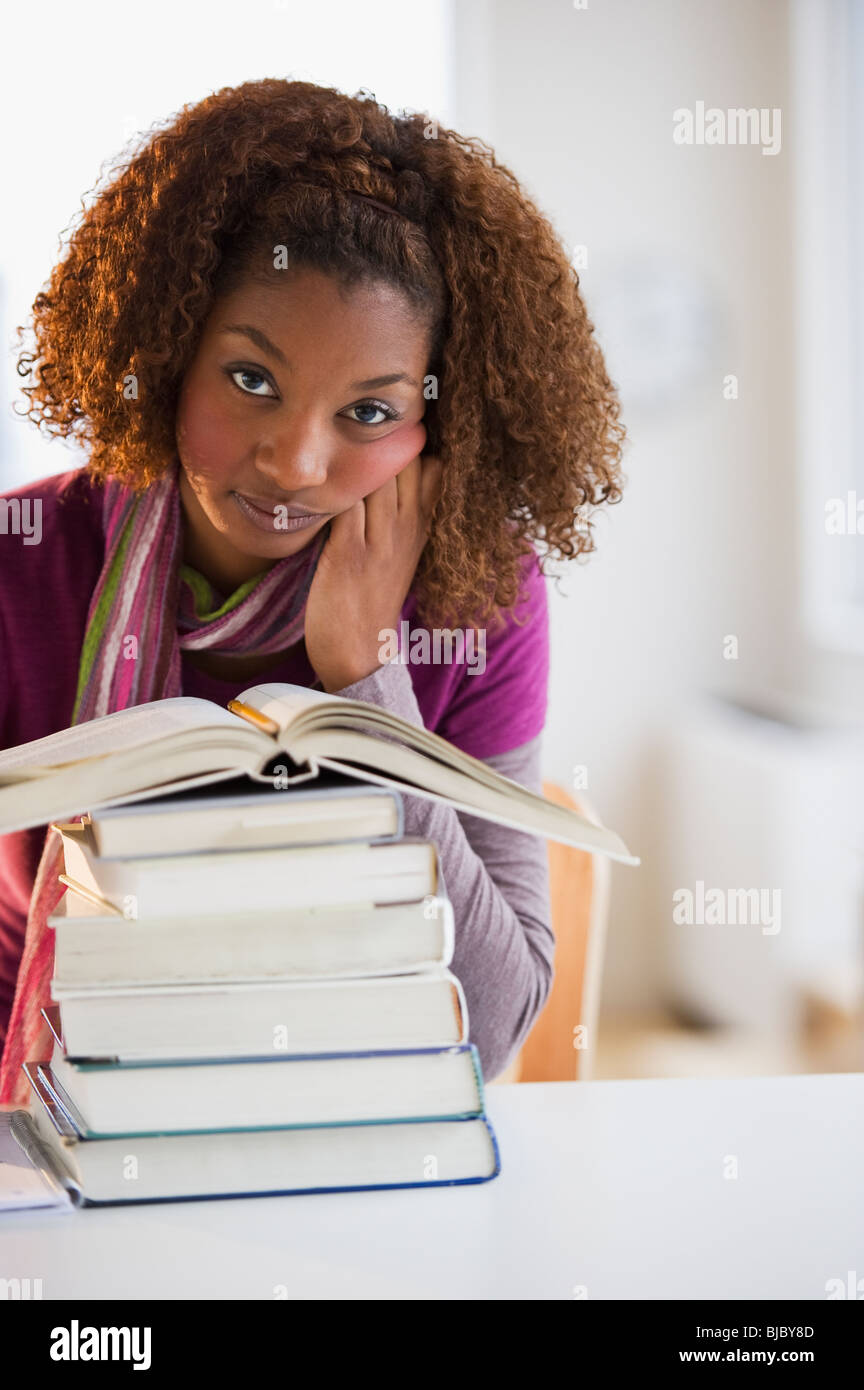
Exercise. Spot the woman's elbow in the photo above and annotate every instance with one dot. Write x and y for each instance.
(498, 1046)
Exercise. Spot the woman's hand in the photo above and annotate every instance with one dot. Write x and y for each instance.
(365, 571)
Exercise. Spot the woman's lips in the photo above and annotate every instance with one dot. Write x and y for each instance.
(276, 519)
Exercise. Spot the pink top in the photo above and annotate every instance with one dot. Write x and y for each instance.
(45, 591)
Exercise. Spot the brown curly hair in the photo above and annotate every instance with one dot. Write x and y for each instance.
(526, 419)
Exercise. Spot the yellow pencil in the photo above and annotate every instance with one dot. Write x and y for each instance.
(254, 716)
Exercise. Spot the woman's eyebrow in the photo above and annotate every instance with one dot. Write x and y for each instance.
(263, 342)
(377, 381)
(258, 338)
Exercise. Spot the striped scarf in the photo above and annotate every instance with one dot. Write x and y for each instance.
(147, 608)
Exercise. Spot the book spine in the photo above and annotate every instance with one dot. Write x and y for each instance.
(494, 1141)
(399, 803)
(460, 1007)
(478, 1075)
(444, 913)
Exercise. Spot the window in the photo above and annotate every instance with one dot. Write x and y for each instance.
(828, 140)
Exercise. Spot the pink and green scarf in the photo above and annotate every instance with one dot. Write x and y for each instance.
(147, 608)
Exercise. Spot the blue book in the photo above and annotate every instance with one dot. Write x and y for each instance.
(254, 1162)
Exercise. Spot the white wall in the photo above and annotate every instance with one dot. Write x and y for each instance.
(579, 103)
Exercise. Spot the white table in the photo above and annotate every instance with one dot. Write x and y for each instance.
(614, 1187)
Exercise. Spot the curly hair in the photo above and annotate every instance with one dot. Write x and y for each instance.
(526, 418)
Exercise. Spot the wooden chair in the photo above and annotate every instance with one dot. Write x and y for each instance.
(561, 1044)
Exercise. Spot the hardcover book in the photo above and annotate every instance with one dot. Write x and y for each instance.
(283, 734)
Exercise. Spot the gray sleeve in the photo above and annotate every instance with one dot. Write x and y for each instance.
(498, 882)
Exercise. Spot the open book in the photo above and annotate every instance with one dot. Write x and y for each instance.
(282, 734)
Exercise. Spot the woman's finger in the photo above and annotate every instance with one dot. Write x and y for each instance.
(408, 485)
(348, 528)
(382, 507)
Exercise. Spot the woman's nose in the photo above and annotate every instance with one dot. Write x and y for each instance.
(293, 460)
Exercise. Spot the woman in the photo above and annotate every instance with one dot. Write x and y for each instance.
(333, 373)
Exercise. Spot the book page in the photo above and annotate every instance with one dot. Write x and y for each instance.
(283, 703)
(127, 729)
(328, 729)
(411, 771)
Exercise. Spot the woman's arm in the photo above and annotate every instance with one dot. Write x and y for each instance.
(504, 955)
(497, 881)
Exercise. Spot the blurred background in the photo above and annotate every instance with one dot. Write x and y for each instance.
(708, 661)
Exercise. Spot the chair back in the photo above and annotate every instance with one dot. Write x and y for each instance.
(562, 1042)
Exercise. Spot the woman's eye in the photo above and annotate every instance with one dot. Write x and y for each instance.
(373, 408)
(252, 383)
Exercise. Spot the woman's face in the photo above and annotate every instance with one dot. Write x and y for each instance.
(302, 398)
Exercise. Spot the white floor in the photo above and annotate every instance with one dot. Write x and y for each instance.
(657, 1046)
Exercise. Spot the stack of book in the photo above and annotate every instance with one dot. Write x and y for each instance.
(251, 980)
(257, 1000)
